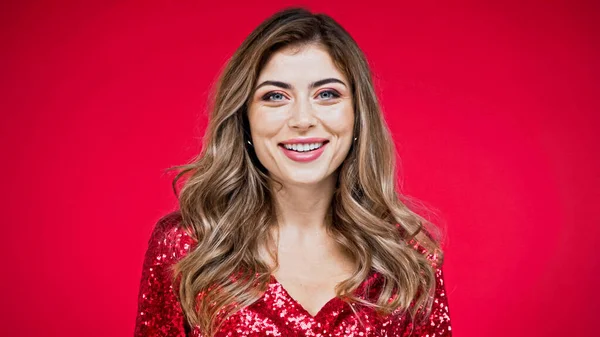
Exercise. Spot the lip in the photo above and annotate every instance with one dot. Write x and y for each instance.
(305, 140)
(303, 156)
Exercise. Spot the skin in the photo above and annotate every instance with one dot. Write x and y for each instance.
(311, 263)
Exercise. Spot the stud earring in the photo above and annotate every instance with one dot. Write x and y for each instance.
(355, 138)
(249, 143)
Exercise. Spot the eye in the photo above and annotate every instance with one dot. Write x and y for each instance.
(273, 97)
(330, 94)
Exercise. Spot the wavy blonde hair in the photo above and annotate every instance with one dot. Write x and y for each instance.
(227, 205)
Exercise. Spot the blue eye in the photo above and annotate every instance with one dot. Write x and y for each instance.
(268, 97)
(331, 94)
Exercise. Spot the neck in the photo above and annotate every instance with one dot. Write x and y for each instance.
(304, 208)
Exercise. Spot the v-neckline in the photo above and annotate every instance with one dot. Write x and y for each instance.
(299, 306)
(325, 306)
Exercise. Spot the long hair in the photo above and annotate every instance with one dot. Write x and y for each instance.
(227, 205)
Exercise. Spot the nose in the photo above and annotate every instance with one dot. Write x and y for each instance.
(302, 115)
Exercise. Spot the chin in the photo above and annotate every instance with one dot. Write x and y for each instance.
(308, 178)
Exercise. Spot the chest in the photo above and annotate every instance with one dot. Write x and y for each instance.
(310, 278)
(276, 313)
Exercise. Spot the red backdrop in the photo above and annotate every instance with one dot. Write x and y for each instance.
(494, 109)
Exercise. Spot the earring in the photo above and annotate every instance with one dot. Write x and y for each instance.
(249, 143)
(355, 138)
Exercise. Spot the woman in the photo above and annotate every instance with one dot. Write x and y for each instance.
(290, 223)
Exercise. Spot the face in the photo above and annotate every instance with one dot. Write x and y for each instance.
(303, 100)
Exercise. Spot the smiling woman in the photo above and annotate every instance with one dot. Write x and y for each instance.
(290, 221)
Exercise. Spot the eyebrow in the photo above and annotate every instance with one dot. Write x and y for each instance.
(289, 86)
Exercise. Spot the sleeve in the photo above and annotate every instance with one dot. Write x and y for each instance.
(438, 323)
(159, 311)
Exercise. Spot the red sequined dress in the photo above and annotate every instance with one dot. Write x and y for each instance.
(275, 313)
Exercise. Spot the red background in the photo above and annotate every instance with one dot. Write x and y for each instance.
(494, 109)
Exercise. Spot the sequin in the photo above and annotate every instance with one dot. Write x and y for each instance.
(276, 313)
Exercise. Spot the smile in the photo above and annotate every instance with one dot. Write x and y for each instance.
(303, 147)
(303, 152)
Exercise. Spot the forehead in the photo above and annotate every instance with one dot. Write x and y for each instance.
(300, 65)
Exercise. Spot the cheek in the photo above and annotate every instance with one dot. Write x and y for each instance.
(264, 123)
(340, 120)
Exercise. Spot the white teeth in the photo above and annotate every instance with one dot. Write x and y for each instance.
(303, 147)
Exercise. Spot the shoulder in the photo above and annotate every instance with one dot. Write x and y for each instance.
(170, 240)
(159, 310)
